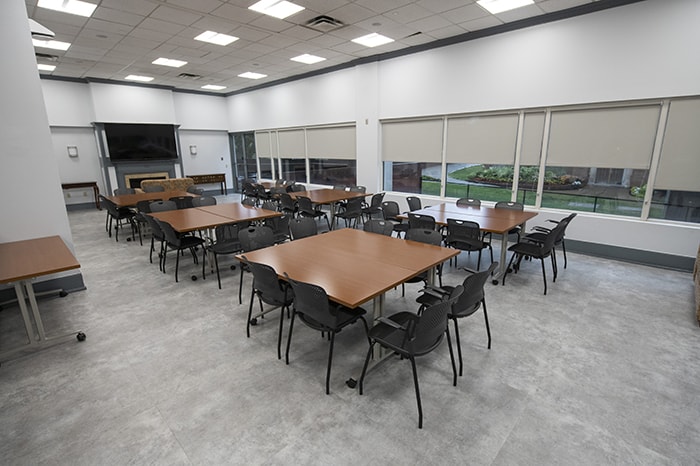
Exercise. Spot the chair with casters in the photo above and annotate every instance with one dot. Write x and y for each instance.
(374, 207)
(182, 202)
(512, 206)
(117, 217)
(383, 227)
(466, 235)
(123, 191)
(468, 202)
(270, 290)
(225, 242)
(156, 235)
(279, 226)
(302, 227)
(391, 212)
(142, 208)
(203, 201)
(427, 236)
(307, 209)
(195, 190)
(253, 238)
(540, 250)
(153, 189)
(420, 221)
(179, 243)
(540, 233)
(352, 213)
(410, 335)
(288, 205)
(471, 300)
(162, 206)
(312, 307)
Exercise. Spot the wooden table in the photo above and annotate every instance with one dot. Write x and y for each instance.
(22, 261)
(490, 219)
(210, 179)
(329, 196)
(237, 212)
(130, 200)
(85, 184)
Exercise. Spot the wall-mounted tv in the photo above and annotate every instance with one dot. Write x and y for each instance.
(140, 142)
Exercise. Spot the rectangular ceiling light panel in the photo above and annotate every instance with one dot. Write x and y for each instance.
(73, 7)
(499, 6)
(308, 59)
(135, 77)
(373, 40)
(251, 75)
(51, 44)
(216, 38)
(169, 62)
(278, 9)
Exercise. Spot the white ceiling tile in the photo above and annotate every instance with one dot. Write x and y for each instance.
(270, 24)
(107, 27)
(139, 7)
(117, 16)
(149, 35)
(443, 5)
(249, 33)
(466, 13)
(175, 15)
(208, 23)
(351, 13)
(384, 5)
(161, 26)
(205, 6)
(408, 13)
(449, 31)
(481, 23)
(430, 23)
(235, 13)
(301, 33)
(557, 5)
(520, 13)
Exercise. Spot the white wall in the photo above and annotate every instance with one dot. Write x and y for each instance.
(132, 104)
(85, 167)
(194, 111)
(213, 154)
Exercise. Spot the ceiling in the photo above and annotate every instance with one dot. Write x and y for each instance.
(123, 37)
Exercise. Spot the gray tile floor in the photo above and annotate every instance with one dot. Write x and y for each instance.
(602, 370)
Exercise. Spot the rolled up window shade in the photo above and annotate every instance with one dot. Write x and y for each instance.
(482, 139)
(412, 141)
(262, 143)
(292, 144)
(338, 142)
(533, 130)
(679, 165)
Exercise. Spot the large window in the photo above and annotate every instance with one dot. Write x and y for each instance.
(265, 146)
(244, 158)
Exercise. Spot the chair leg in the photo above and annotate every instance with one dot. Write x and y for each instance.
(486, 320)
(330, 361)
(289, 337)
(370, 351)
(563, 249)
(150, 253)
(505, 272)
(240, 285)
(279, 335)
(415, 383)
(478, 261)
(555, 268)
(250, 313)
(544, 275)
(216, 264)
(177, 263)
(452, 355)
(459, 345)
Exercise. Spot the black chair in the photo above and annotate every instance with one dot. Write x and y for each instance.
(540, 234)
(249, 201)
(288, 205)
(203, 201)
(420, 221)
(279, 226)
(118, 216)
(295, 188)
(471, 300)
(123, 191)
(252, 238)
(382, 227)
(414, 203)
(156, 235)
(153, 189)
(468, 202)
(179, 243)
(312, 306)
(195, 190)
(511, 206)
(269, 205)
(182, 202)
(466, 236)
(261, 194)
(391, 212)
(162, 206)
(428, 236)
(410, 335)
(225, 242)
(142, 208)
(374, 207)
(307, 209)
(352, 213)
(539, 251)
(270, 290)
(302, 227)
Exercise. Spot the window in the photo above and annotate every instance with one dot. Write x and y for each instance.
(292, 154)
(265, 146)
(530, 151)
(331, 152)
(244, 163)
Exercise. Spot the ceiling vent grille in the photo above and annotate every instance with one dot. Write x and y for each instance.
(46, 56)
(191, 76)
(324, 24)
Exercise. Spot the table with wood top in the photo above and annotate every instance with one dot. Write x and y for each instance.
(130, 200)
(328, 196)
(23, 261)
(490, 219)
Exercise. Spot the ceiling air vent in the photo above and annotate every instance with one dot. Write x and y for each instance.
(191, 76)
(46, 56)
(324, 24)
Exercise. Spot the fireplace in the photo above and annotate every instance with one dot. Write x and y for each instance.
(133, 180)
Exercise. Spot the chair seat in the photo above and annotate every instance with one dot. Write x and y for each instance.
(343, 316)
(467, 244)
(190, 241)
(225, 247)
(395, 338)
(527, 249)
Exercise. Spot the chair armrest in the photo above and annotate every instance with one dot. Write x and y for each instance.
(435, 293)
(542, 229)
(472, 271)
(553, 221)
(391, 323)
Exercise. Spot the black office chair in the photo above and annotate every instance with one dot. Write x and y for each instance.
(540, 233)
(312, 306)
(123, 191)
(414, 203)
(391, 212)
(421, 222)
(195, 190)
(156, 235)
(270, 290)
(512, 206)
(374, 207)
(252, 238)
(302, 227)
(162, 206)
(118, 217)
(381, 227)
(179, 242)
(471, 300)
(427, 236)
(409, 335)
(307, 209)
(203, 201)
(225, 242)
(466, 235)
(468, 202)
(352, 213)
(288, 205)
(279, 226)
(182, 202)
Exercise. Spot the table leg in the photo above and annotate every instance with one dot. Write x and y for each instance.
(19, 291)
(35, 310)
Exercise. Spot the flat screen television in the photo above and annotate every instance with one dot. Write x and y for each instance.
(140, 142)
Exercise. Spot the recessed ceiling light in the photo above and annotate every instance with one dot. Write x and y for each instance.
(278, 9)
(499, 6)
(43, 67)
(216, 38)
(51, 44)
(213, 87)
(308, 59)
(169, 62)
(373, 40)
(135, 77)
(74, 7)
(251, 75)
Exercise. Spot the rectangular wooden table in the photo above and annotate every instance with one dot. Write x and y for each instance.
(22, 261)
(329, 197)
(130, 200)
(490, 219)
(237, 212)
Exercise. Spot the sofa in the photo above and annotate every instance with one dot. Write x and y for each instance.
(170, 184)
(696, 282)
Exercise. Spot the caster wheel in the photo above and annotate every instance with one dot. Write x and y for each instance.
(352, 383)
(253, 321)
(495, 282)
(233, 267)
(80, 336)
(63, 293)
(194, 278)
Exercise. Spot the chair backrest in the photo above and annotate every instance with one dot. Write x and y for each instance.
(162, 206)
(414, 203)
(424, 235)
(390, 210)
(466, 201)
(305, 204)
(279, 226)
(156, 230)
(312, 301)
(195, 190)
(111, 206)
(296, 187)
(353, 206)
(256, 237)
(553, 237)
(169, 233)
(382, 227)
(144, 206)
(358, 189)
(429, 327)
(287, 203)
(276, 191)
(122, 191)
(266, 282)
(269, 205)
(464, 230)
(426, 222)
(227, 233)
(473, 293)
(302, 227)
(153, 188)
(203, 200)
(248, 188)
(249, 201)
(339, 187)
(182, 202)
(509, 205)
(376, 201)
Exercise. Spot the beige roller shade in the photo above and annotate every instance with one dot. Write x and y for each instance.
(679, 166)
(482, 139)
(412, 141)
(621, 137)
(337, 142)
(533, 130)
(262, 143)
(292, 144)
